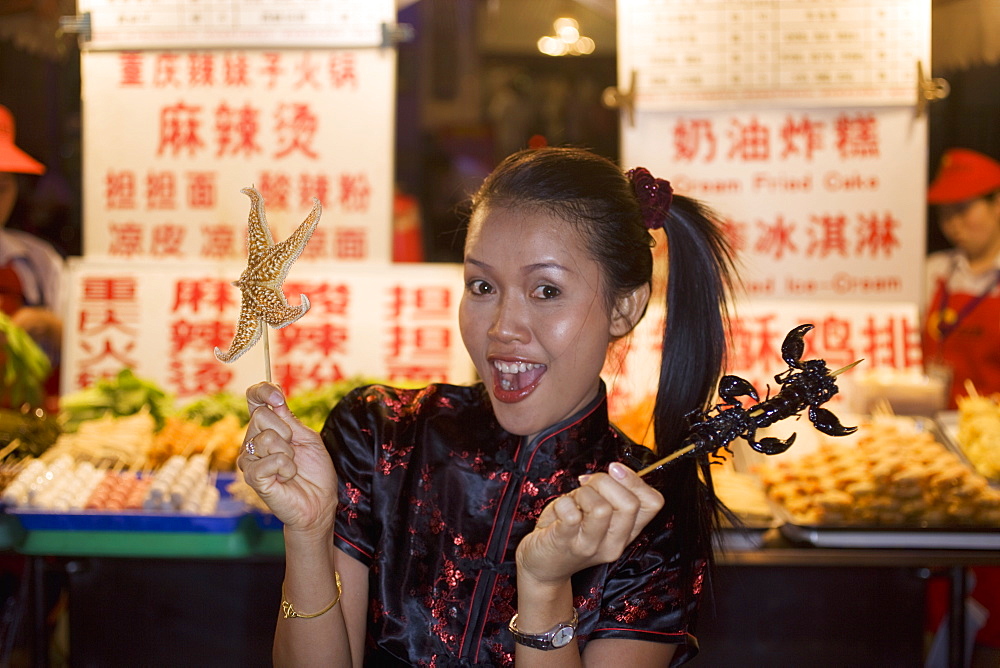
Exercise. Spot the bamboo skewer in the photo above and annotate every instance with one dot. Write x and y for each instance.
(267, 355)
(970, 389)
(688, 448)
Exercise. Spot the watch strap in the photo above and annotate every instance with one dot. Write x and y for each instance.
(544, 640)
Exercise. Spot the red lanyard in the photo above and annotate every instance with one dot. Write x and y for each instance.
(944, 327)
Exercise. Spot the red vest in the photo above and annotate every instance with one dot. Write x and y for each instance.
(971, 347)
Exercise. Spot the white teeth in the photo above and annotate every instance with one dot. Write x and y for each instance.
(514, 367)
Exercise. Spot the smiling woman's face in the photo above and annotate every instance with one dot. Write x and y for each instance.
(533, 316)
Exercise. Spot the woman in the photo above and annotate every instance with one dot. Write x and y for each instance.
(487, 524)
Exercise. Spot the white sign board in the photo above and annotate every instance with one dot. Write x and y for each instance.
(171, 137)
(165, 320)
(200, 24)
(698, 53)
(818, 203)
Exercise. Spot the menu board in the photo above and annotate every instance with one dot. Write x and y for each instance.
(821, 203)
(203, 24)
(686, 53)
(171, 137)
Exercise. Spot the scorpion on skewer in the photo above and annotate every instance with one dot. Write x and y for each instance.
(804, 385)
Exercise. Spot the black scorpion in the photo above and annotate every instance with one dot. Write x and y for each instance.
(804, 385)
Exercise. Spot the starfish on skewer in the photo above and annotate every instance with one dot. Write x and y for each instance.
(262, 299)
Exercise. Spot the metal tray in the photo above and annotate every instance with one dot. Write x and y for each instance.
(911, 537)
(957, 538)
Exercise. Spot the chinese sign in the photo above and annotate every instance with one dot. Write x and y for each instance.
(687, 53)
(171, 137)
(818, 204)
(164, 322)
(885, 335)
(201, 24)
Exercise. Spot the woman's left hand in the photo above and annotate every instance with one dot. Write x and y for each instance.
(591, 525)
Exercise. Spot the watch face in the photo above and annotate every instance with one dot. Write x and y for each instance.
(563, 636)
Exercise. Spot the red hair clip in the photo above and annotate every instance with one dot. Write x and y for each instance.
(654, 196)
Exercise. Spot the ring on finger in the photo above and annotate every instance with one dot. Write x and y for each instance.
(251, 450)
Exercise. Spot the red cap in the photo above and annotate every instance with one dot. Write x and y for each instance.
(963, 175)
(13, 159)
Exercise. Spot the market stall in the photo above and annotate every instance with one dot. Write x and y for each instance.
(810, 139)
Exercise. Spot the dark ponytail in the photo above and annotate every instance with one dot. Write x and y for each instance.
(699, 279)
(694, 340)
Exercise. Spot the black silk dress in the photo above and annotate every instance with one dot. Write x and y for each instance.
(435, 497)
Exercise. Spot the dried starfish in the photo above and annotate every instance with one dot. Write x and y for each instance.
(260, 283)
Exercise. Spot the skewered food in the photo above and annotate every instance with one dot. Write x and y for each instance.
(262, 301)
(804, 385)
(979, 432)
(892, 473)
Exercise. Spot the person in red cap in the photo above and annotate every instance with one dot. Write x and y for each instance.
(31, 270)
(962, 322)
(961, 332)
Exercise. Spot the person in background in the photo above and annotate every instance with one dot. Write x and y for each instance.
(962, 309)
(961, 332)
(31, 270)
(487, 524)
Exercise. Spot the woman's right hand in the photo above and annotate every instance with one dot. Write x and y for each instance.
(290, 467)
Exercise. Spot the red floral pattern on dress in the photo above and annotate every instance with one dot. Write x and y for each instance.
(349, 510)
(447, 495)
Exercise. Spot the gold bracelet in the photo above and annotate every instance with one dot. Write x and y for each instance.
(289, 611)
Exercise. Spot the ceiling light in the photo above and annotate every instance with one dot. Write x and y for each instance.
(567, 40)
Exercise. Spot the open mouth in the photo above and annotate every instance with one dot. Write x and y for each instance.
(513, 381)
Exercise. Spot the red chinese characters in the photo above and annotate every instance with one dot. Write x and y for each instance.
(196, 328)
(108, 327)
(418, 332)
(748, 140)
(209, 108)
(820, 235)
(889, 340)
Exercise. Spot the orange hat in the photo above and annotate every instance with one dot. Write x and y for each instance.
(963, 175)
(13, 159)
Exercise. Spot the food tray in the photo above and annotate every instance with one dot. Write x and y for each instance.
(956, 538)
(149, 544)
(229, 531)
(733, 539)
(877, 537)
(270, 535)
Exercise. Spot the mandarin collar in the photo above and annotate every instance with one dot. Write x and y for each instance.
(590, 423)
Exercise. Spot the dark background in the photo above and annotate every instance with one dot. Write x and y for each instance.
(444, 145)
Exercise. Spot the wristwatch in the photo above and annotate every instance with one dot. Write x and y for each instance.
(558, 636)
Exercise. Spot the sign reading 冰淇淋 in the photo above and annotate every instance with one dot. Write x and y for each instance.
(817, 203)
